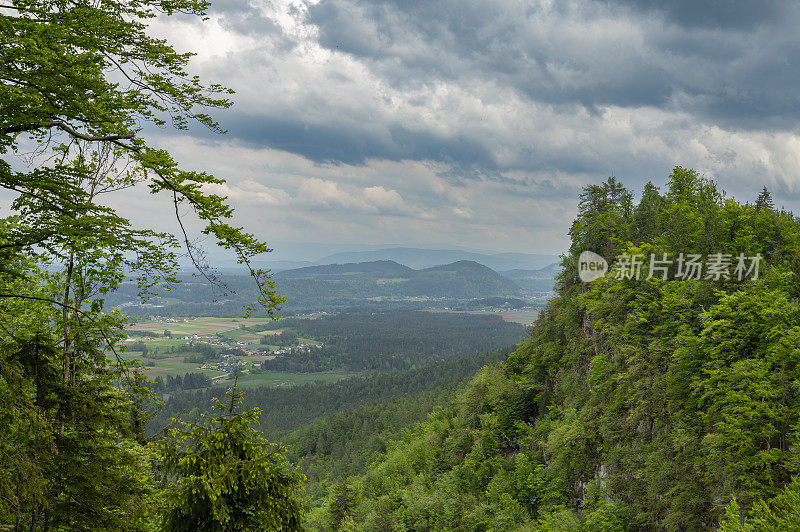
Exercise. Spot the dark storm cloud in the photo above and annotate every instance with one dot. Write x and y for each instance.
(451, 40)
(729, 62)
(244, 18)
(536, 98)
(735, 14)
(350, 144)
(477, 123)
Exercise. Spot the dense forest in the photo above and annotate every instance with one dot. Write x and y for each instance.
(636, 404)
(334, 430)
(287, 409)
(389, 341)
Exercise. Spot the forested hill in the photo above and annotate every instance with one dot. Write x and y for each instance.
(381, 268)
(387, 279)
(378, 286)
(637, 404)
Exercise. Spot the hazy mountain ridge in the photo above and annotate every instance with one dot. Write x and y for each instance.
(426, 258)
(378, 285)
(388, 279)
(548, 272)
(541, 280)
(382, 267)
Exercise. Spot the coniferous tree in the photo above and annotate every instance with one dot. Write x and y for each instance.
(342, 504)
(647, 214)
(227, 477)
(764, 200)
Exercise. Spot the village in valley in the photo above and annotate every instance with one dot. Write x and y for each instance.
(230, 362)
(218, 347)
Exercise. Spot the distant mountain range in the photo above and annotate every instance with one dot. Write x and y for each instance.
(381, 268)
(534, 281)
(387, 279)
(416, 258)
(426, 258)
(378, 284)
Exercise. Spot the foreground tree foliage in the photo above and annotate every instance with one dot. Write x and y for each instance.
(637, 404)
(73, 433)
(78, 81)
(82, 77)
(228, 477)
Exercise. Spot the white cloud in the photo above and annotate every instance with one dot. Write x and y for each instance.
(250, 192)
(320, 193)
(384, 200)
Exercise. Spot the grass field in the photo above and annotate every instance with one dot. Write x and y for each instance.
(198, 326)
(525, 317)
(175, 366)
(277, 379)
(246, 336)
(163, 344)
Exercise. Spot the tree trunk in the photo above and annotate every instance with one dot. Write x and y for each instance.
(66, 327)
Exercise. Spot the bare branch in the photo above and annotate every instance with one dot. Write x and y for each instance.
(69, 129)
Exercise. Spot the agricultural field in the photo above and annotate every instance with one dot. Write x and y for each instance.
(248, 337)
(163, 358)
(525, 317)
(168, 366)
(198, 326)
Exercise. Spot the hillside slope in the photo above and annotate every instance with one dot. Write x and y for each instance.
(341, 284)
(636, 404)
(378, 269)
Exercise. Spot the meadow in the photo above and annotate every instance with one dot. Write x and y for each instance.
(199, 326)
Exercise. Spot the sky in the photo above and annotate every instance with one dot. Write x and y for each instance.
(444, 123)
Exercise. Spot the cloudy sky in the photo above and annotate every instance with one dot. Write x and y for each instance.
(475, 124)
